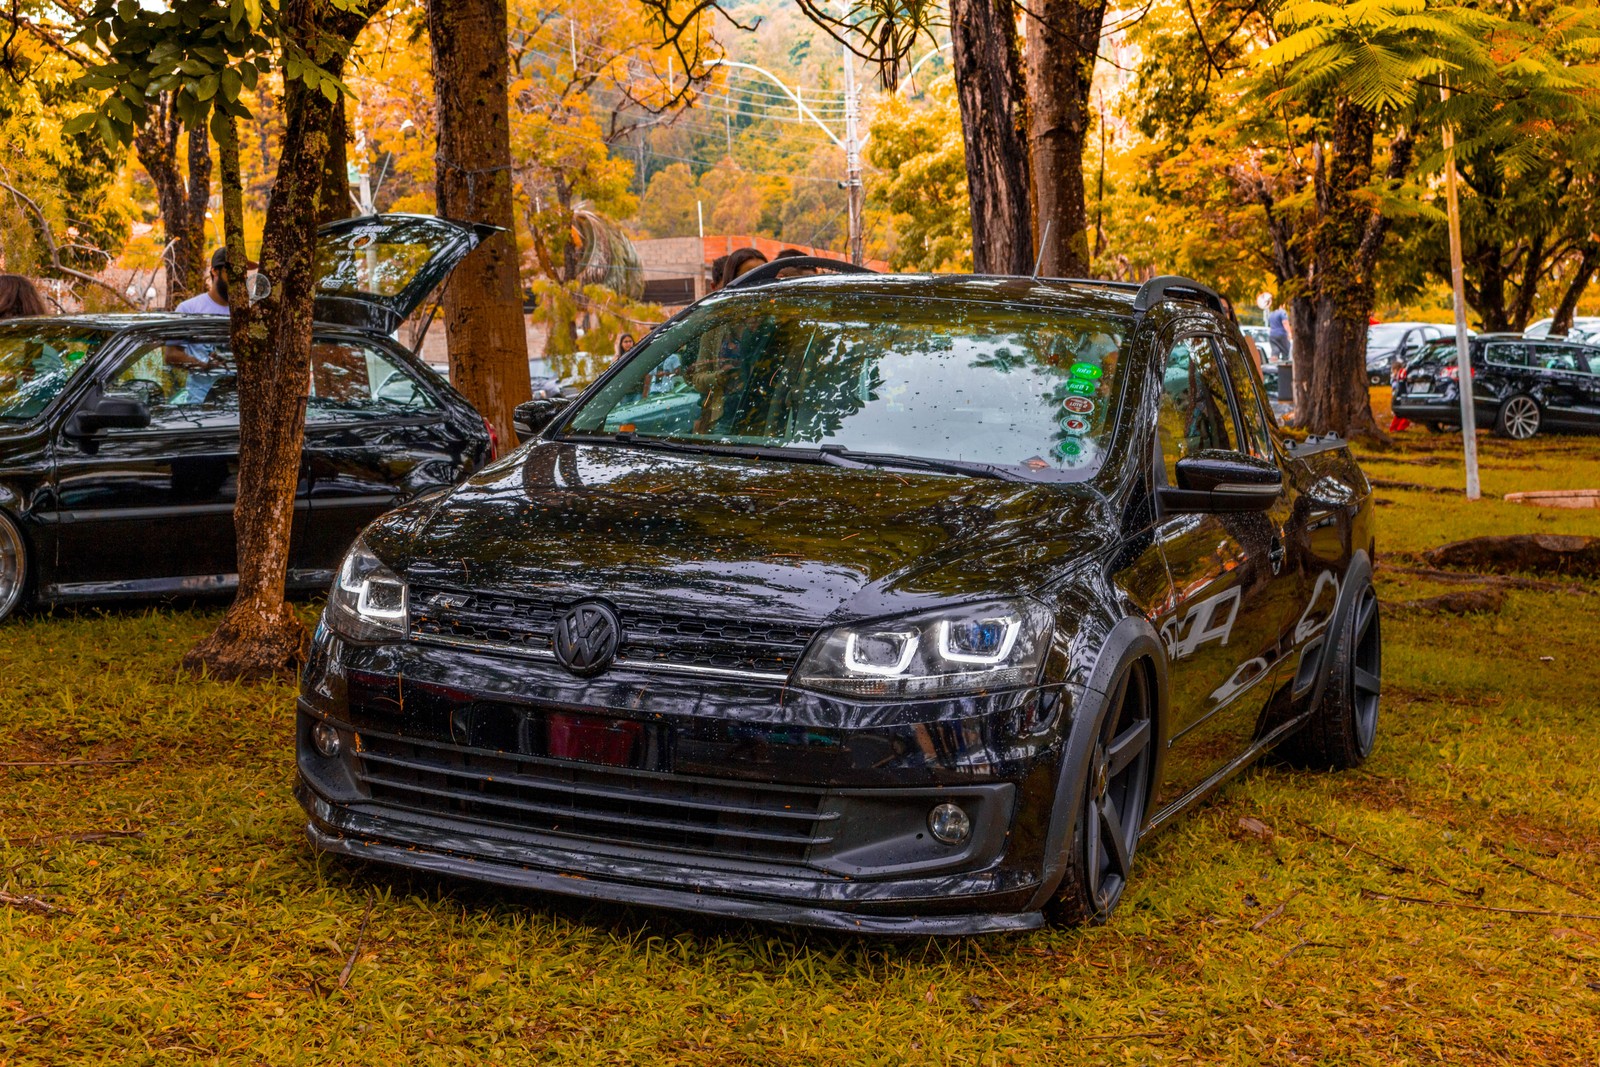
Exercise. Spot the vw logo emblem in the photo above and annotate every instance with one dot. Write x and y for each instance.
(586, 638)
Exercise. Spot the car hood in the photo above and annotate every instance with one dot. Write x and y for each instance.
(797, 541)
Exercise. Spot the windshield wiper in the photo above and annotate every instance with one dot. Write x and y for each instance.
(832, 455)
(841, 456)
(698, 448)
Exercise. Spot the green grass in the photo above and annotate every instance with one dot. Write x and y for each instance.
(215, 935)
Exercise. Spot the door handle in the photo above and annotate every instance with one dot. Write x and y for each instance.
(1275, 554)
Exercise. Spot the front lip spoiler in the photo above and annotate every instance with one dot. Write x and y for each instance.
(412, 857)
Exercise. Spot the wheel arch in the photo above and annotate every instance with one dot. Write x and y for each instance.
(1132, 641)
(1360, 569)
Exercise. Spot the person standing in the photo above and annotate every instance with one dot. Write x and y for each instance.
(19, 299)
(1278, 334)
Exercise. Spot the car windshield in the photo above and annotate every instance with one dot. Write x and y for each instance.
(1031, 391)
(37, 359)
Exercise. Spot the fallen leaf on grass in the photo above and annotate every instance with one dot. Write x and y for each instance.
(1256, 828)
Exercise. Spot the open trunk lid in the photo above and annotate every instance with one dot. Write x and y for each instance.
(375, 270)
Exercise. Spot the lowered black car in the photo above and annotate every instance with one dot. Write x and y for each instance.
(1520, 386)
(887, 603)
(119, 434)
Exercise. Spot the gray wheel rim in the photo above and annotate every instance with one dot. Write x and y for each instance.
(1366, 668)
(1119, 784)
(1522, 418)
(11, 567)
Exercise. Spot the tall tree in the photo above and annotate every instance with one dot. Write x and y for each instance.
(207, 54)
(182, 197)
(989, 88)
(483, 299)
(1063, 39)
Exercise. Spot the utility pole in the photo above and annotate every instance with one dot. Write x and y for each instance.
(852, 158)
(1469, 420)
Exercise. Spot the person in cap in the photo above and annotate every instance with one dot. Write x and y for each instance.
(214, 301)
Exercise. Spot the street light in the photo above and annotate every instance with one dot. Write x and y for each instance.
(851, 143)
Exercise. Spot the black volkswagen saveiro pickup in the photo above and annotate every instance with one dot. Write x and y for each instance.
(886, 603)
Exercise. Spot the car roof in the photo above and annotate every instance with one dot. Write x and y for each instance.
(1112, 298)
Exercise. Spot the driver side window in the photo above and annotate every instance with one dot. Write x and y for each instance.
(185, 384)
(1195, 414)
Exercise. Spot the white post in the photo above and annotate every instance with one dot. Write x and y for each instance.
(852, 159)
(1469, 420)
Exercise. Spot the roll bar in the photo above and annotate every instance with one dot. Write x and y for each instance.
(768, 272)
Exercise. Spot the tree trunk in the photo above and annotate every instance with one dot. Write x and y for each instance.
(1303, 332)
(334, 203)
(182, 202)
(261, 635)
(988, 86)
(484, 330)
(1568, 307)
(1063, 37)
(1348, 237)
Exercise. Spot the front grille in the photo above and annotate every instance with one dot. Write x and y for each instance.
(736, 820)
(650, 638)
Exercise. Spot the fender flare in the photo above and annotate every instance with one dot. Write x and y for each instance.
(1360, 568)
(1131, 639)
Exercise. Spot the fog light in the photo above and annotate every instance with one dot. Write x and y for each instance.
(326, 738)
(949, 824)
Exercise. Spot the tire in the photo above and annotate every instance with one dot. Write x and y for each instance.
(13, 566)
(1116, 792)
(1342, 730)
(1435, 426)
(1519, 417)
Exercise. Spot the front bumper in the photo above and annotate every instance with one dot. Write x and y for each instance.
(758, 805)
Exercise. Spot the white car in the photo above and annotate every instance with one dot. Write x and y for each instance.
(1585, 328)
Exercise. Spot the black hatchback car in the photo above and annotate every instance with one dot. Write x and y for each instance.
(1520, 386)
(885, 603)
(119, 434)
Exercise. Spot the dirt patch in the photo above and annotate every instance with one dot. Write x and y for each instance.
(1487, 600)
(1536, 553)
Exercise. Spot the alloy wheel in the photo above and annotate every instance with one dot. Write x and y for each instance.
(1521, 417)
(1366, 668)
(13, 566)
(1118, 788)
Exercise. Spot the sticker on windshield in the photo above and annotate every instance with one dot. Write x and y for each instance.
(1074, 452)
(1074, 425)
(1082, 386)
(1086, 370)
(1079, 405)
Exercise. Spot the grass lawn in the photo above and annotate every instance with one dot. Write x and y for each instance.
(1405, 912)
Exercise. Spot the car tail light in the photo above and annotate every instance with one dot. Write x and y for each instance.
(1450, 372)
(494, 441)
(1399, 374)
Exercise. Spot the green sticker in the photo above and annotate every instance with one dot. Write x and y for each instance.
(1081, 386)
(1069, 447)
(1086, 370)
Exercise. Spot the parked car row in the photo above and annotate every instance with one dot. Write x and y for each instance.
(883, 603)
(1520, 386)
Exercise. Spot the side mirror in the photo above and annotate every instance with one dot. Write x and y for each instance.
(1223, 481)
(533, 416)
(109, 413)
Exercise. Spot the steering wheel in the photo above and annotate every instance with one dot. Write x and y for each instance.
(149, 393)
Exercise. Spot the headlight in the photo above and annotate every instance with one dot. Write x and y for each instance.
(964, 649)
(368, 600)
